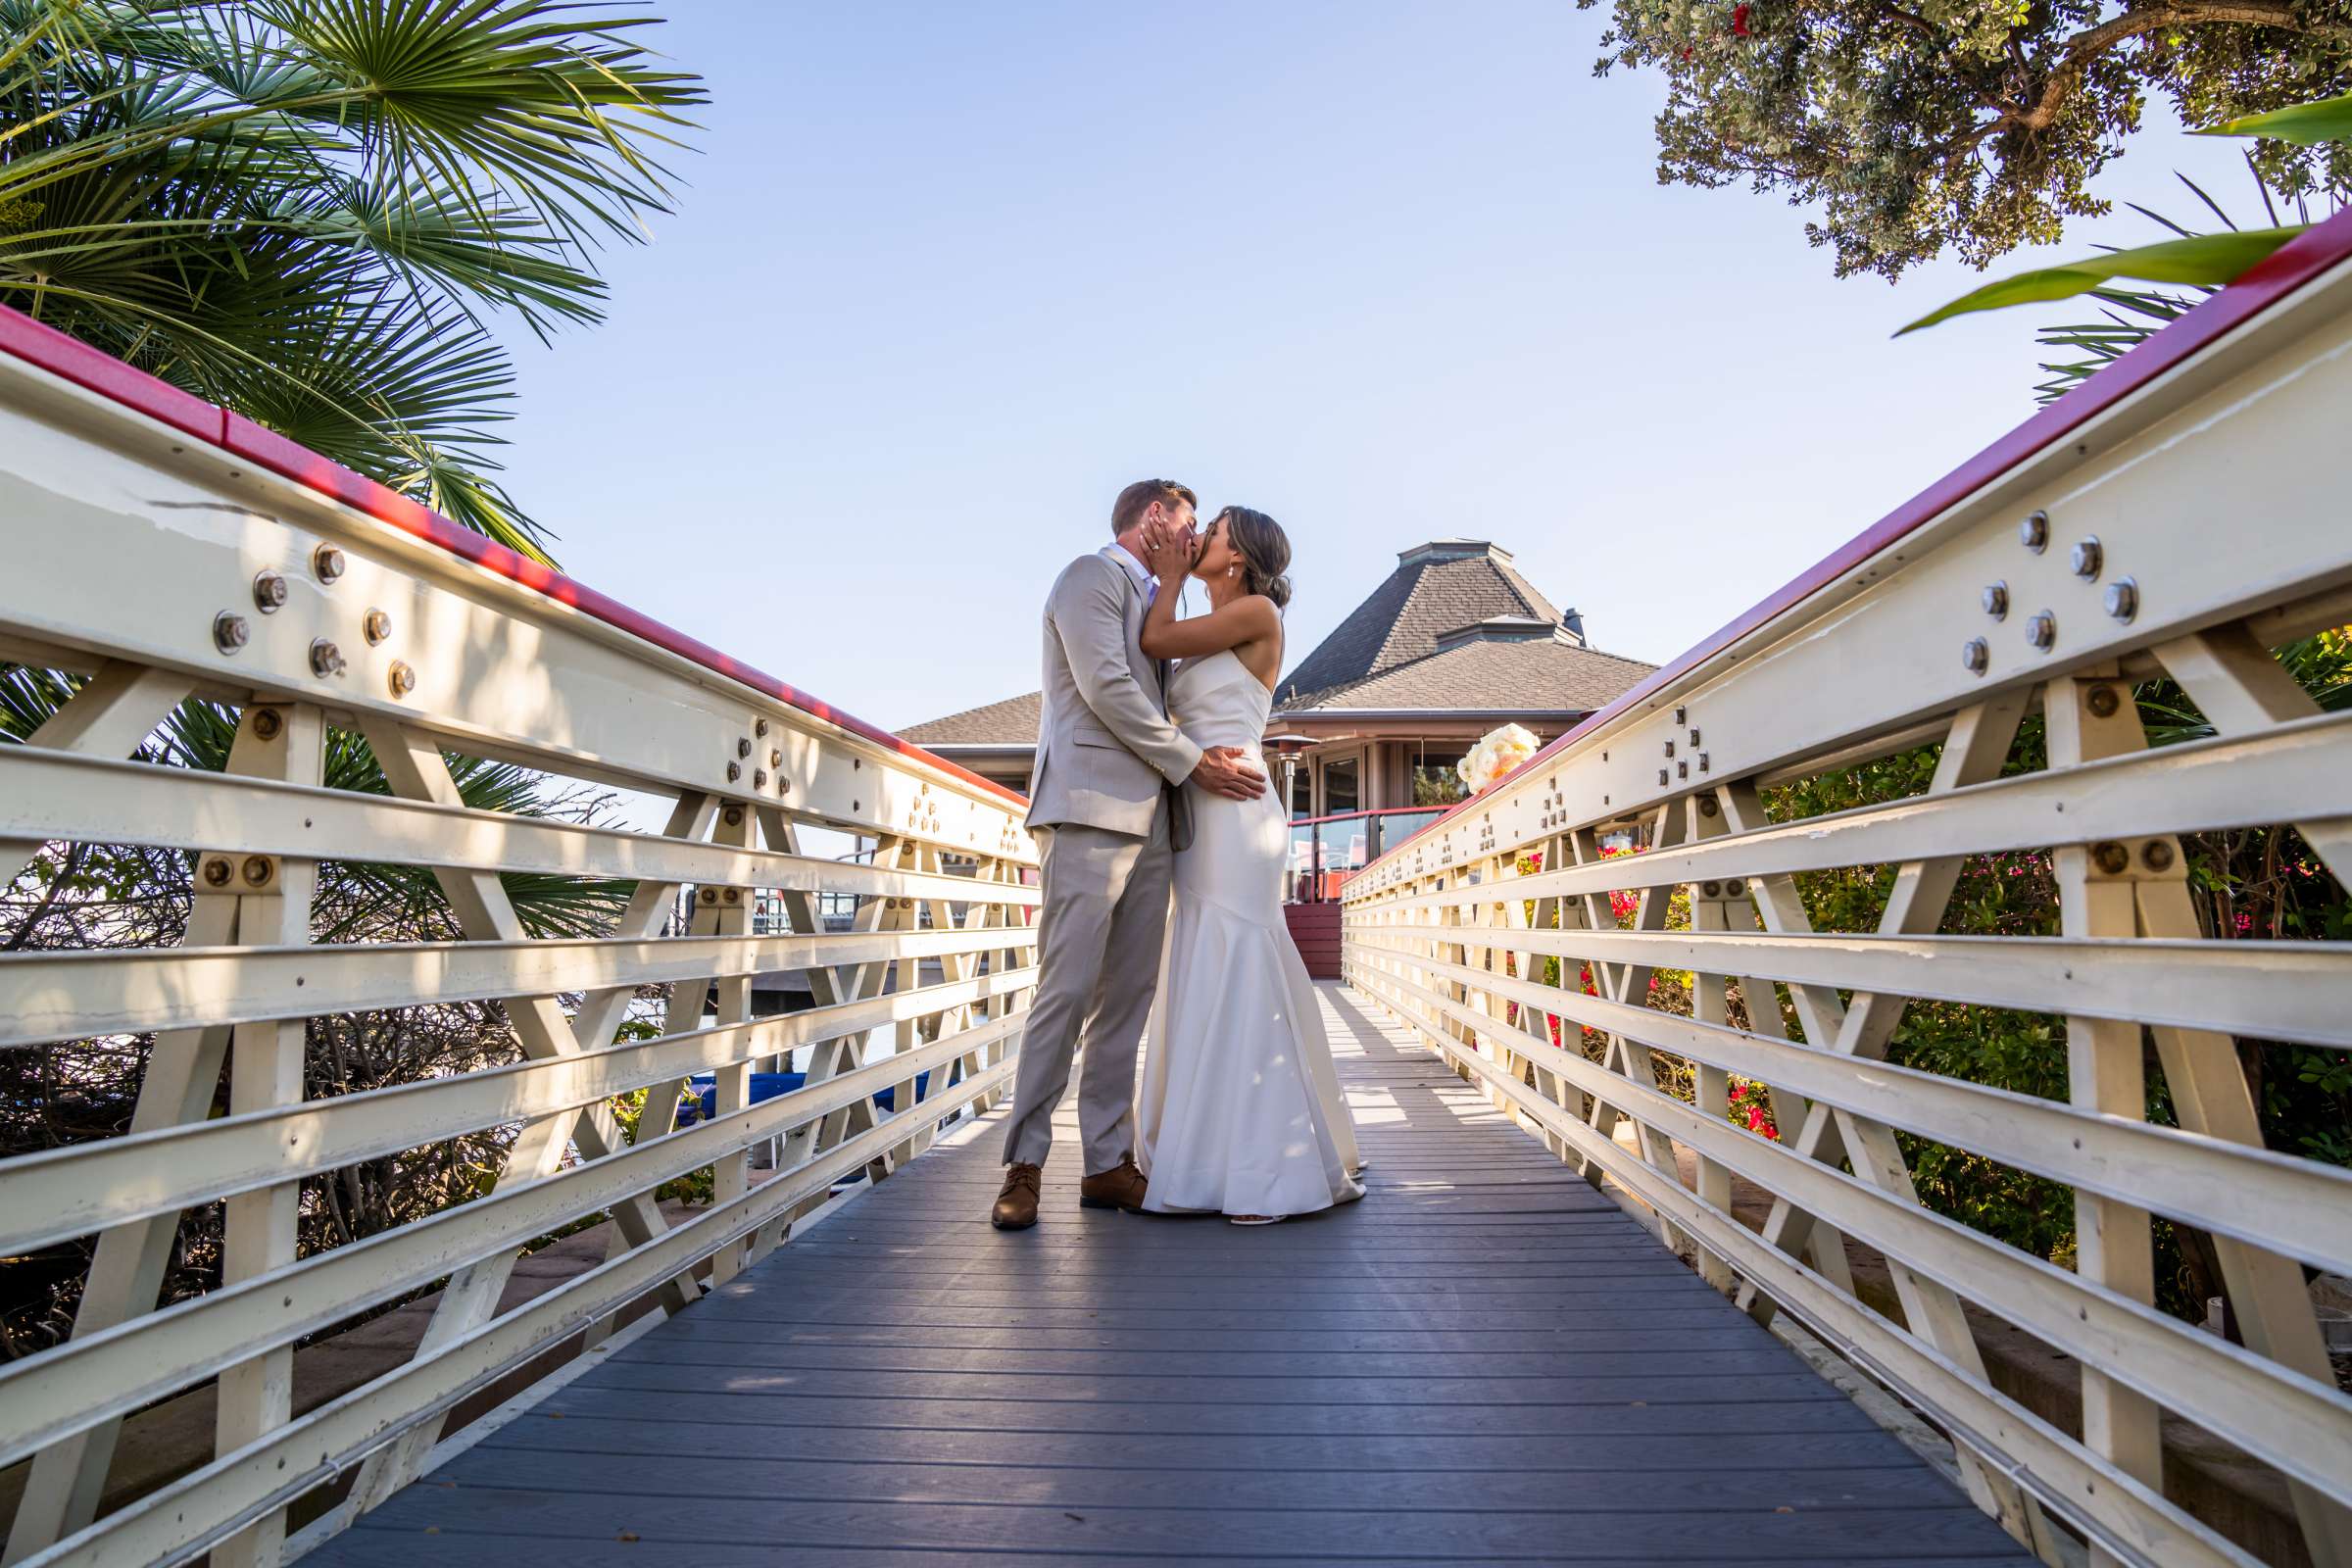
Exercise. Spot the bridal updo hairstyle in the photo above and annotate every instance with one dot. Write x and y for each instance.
(1264, 549)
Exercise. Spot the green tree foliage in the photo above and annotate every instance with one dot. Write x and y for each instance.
(1968, 125)
(304, 209)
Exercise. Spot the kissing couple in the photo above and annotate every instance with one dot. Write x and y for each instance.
(1161, 857)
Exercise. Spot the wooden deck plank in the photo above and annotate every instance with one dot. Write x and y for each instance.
(1484, 1360)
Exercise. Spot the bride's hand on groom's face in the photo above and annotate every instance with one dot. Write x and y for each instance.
(1167, 549)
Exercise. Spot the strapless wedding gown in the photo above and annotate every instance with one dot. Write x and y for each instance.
(1240, 1109)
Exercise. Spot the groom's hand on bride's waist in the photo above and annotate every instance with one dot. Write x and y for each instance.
(1225, 770)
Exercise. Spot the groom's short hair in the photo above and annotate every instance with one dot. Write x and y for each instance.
(1137, 499)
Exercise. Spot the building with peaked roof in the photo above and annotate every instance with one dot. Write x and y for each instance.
(1454, 643)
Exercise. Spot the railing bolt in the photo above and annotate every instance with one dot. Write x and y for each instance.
(1706, 804)
(2157, 855)
(1682, 769)
(734, 816)
(775, 757)
(1733, 888)
(257, 870)
(734, 895)
(1680, 714)
(1974, 656)
(1695, 736)
(758, 778)
(327, 561)
(217, 872)
(1661, 775)
(2034, 531)
(734, 771)
(267, 723)
(229, 631)
(269, 592)
(2111, 857)
(1710, 889)
(2123, 598)
(2102, 702)
(1995, 600)
(375, 626)
(1670, 748)
(1702, 761)
(2088, 556)
(759, 727)
(784, 785)
(401, 678)
(707, 895)
(742, 745)
(2041, 630)
(326, 659)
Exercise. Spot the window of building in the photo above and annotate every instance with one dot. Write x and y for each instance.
(1435, 781)
(1343, 788)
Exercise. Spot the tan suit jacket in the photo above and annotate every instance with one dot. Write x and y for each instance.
(1106, 754)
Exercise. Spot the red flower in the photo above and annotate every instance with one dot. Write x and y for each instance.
(1739, 21)
(1688, 51)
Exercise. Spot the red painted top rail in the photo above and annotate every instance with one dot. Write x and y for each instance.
(2286, 269)
(96, 370)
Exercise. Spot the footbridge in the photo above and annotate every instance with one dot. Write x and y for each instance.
(1655, 1265)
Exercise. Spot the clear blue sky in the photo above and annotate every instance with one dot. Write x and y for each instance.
(944, 277)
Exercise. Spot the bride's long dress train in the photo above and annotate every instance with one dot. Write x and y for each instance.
(1240, 1109)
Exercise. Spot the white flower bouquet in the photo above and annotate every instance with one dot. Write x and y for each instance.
(1496, 753)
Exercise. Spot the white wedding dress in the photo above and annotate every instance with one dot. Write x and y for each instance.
(1240, 1109)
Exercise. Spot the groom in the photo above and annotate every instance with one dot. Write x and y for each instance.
(1106, 804)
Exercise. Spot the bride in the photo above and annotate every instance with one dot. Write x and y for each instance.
(1239, 1110)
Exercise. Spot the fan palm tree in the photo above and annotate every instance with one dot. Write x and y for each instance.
(307, 209)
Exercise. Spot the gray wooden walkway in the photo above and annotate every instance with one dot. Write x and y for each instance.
(1484, 1360)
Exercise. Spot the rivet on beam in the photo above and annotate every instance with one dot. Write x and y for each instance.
(259, 870)
(2123, 598)
(229, 631)
(267, 723)
(375, 626)
(269, 592)
(401, 678)
(328, 562)
(2111, 857)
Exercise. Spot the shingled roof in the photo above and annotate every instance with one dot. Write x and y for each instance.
(1010, 722)
(1439, 587)
(1503, 676)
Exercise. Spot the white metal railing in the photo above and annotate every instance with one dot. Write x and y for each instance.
(2180, 518)
(167, 551)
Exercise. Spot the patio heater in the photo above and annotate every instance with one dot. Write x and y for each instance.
(1290, 747)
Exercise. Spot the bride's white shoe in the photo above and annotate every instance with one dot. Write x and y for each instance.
(1256, 1219)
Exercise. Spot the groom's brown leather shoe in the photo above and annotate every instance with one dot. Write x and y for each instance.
(1120, 1186)
(1016, 1205)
